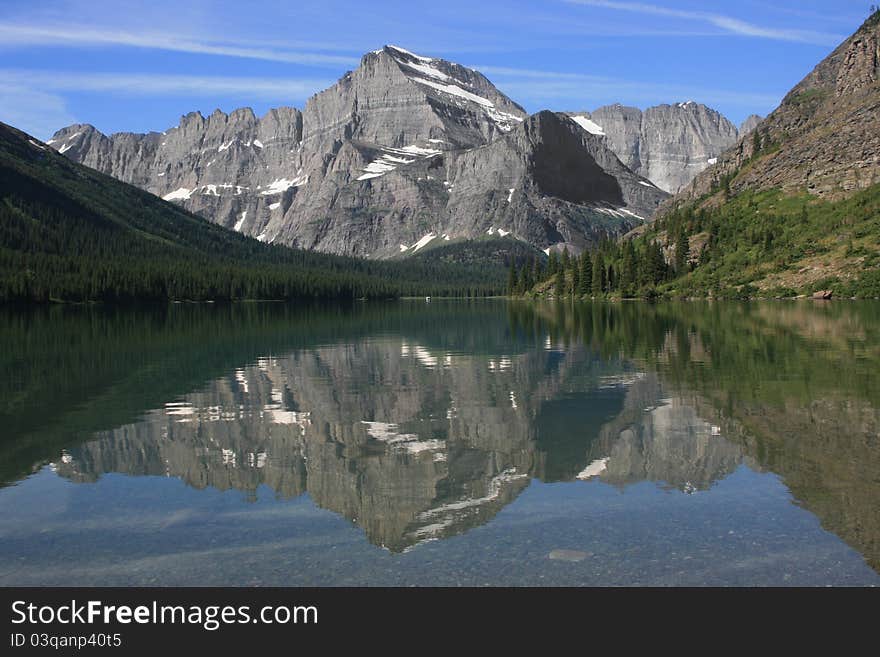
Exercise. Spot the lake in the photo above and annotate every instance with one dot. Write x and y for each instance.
(441, 443)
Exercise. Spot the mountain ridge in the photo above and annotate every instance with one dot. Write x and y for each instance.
(370, 166)
(70, 233)
(823, 138)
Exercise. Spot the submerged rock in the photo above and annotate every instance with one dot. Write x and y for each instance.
(568, 555)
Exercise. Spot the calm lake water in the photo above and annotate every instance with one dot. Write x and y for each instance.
(442, 443)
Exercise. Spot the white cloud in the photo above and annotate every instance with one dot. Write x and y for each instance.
(727, 24)
(18, 35)
(152, 84)
(548, 88)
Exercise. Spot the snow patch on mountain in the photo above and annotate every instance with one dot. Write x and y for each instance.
(590, 126)
(180, 194)
(503, 120)
(391, 158)
(422, 242)
(407, 52)
(240, 222)
(281, 185)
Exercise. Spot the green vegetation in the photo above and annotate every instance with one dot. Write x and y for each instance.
(614, 268)
(772, 244)
(484, 254)
(68, 233)
(756, 244)
(809, 96)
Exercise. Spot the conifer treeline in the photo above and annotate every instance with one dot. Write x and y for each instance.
(629, 268)
(51, 255)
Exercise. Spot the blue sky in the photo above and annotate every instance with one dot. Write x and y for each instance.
(127, 65)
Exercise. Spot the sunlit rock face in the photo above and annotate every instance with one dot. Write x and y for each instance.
(403, 153)
(824, 136)
(667, 144)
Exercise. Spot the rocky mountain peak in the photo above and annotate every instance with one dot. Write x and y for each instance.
(751, 122)
(401, 151)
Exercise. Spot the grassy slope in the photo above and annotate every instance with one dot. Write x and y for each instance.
(773, 244)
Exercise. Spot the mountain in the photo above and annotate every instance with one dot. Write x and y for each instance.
(793, 208)
(402, 154)
(70, 233)
(668, 144)
(823, 138)
(749, 124)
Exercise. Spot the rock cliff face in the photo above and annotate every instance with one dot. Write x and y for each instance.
(825, 136)
(402, 152)
(668, 144)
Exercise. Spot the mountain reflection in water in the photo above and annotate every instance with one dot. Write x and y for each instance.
(420, 423)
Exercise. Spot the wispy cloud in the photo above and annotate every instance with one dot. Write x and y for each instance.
(725, 23)
(17, 35)
(155, 84)
(36, 112)
(548, 88)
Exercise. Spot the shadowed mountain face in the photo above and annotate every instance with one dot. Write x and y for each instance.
(420, 422)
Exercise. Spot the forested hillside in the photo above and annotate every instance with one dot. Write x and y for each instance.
(764, 244)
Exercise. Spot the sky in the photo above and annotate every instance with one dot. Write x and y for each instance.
(129, 65)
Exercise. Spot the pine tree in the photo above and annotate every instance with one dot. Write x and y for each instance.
(682, 251)
(575, 278)
(559, 286)
(628, 270)
(598, 276)
(523, 283)
(528, 281)
(656, 264)
(586, 276)
(512, 279)
(552, 264)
